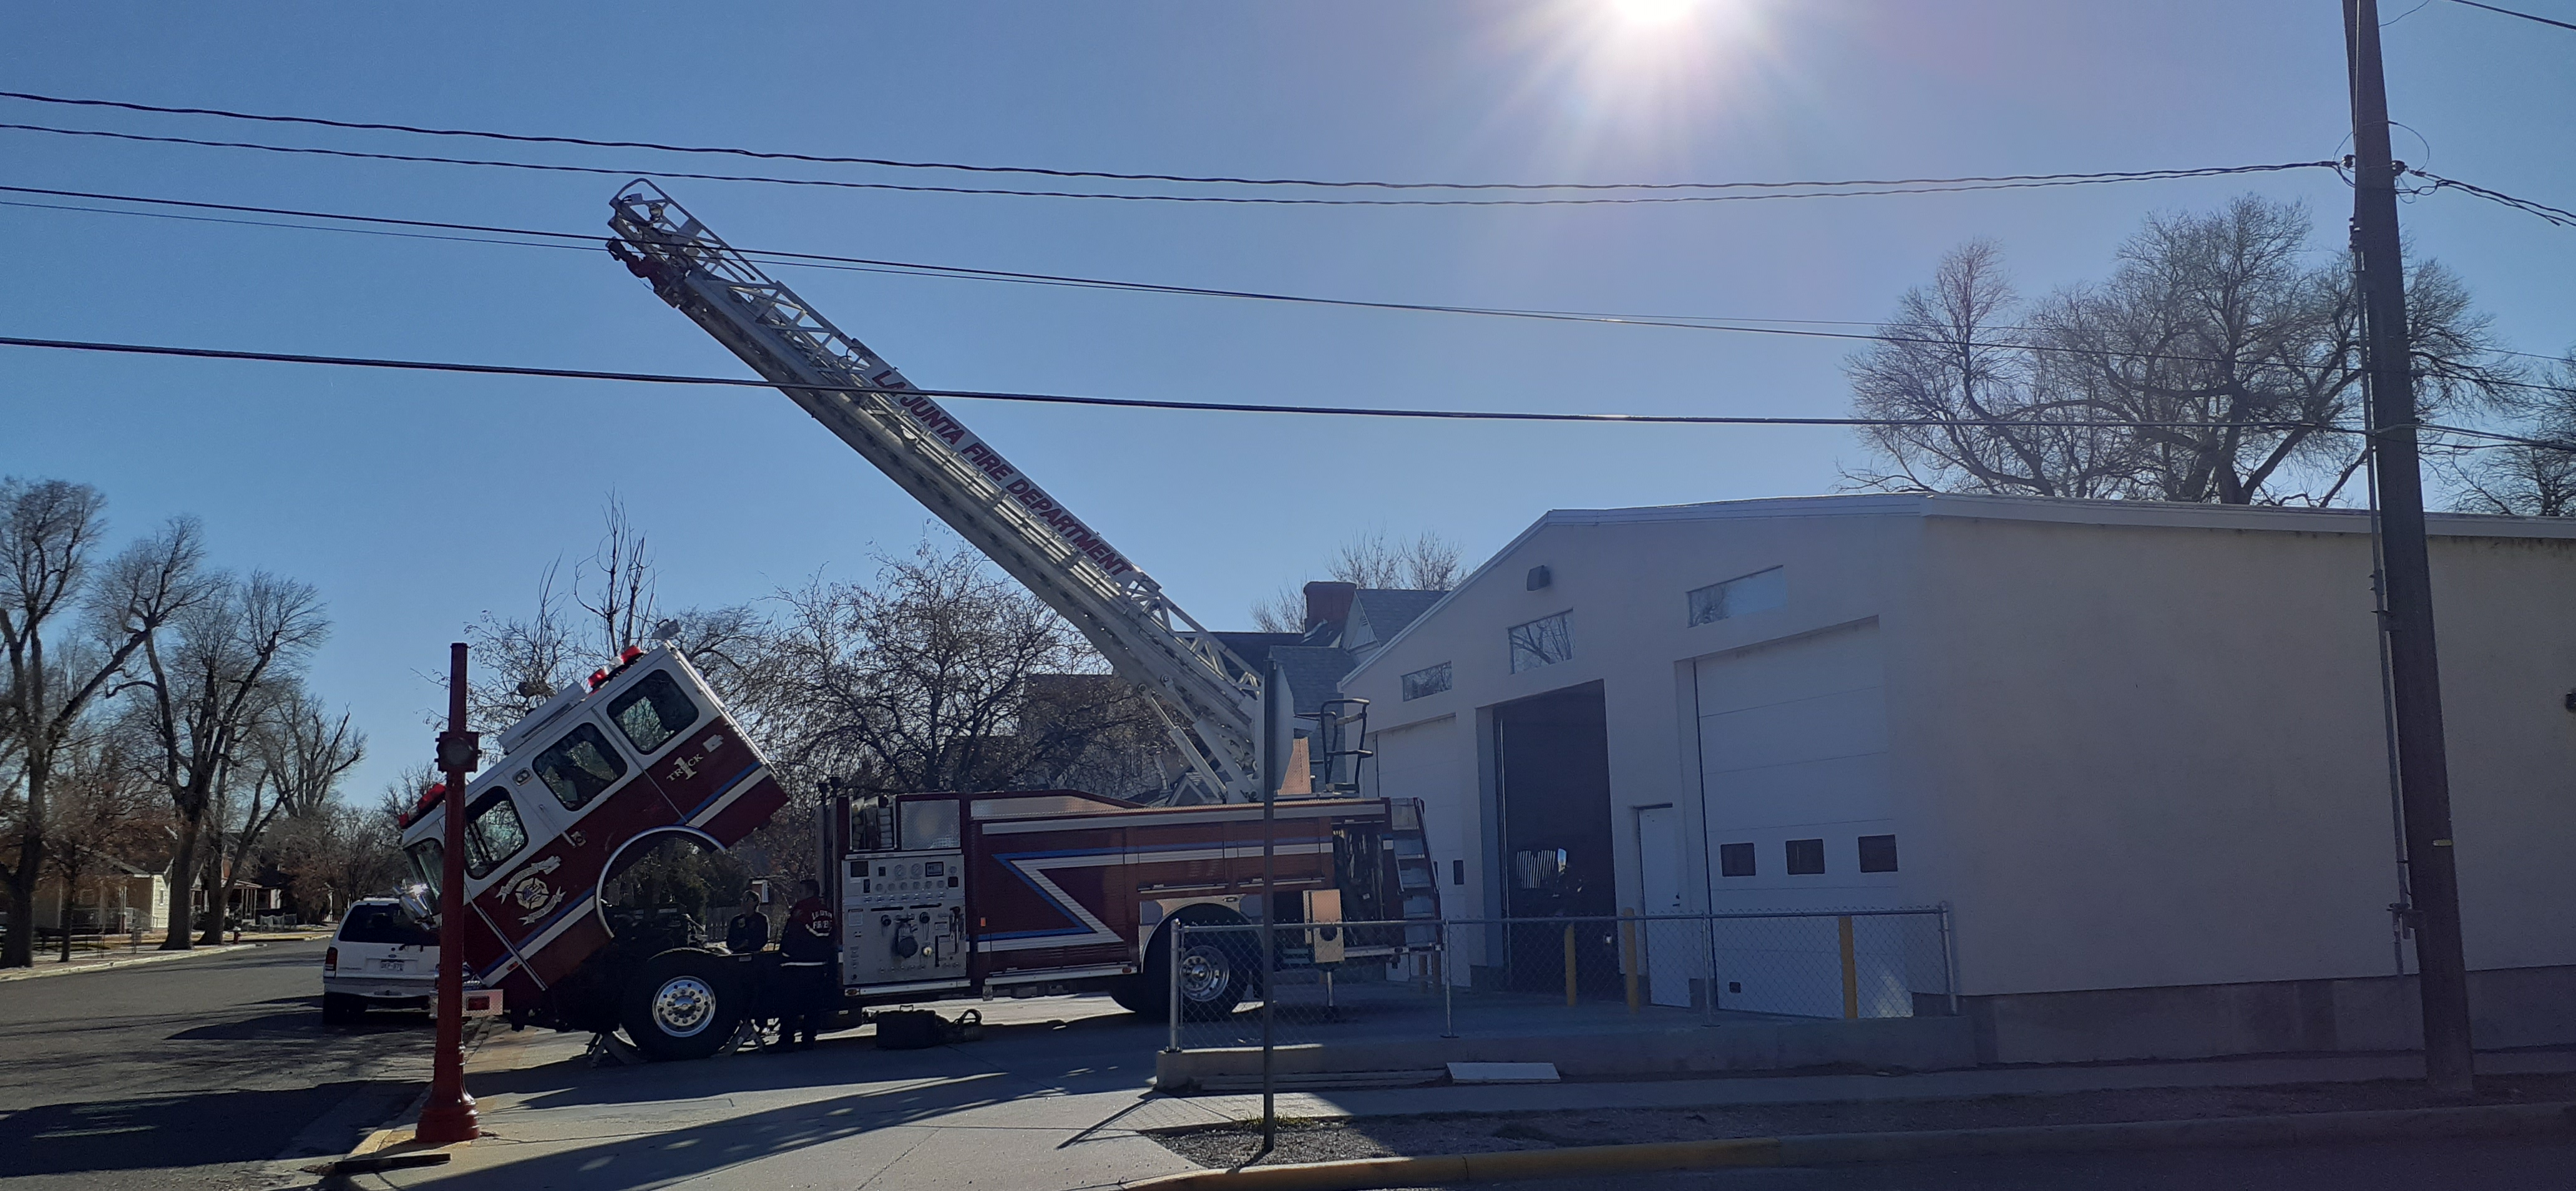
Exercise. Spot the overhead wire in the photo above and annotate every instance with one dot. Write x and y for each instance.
(1048, 172)
(587, 241)
(2556, 215)
(662, 378)
(2511, 13)
(1858, 190)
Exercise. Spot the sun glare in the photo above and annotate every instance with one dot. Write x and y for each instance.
(1652, 12)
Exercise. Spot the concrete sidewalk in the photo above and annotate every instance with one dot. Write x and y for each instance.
(100, 961)
(1056, 1097)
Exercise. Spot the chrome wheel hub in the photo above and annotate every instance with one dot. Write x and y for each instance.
(683, 1006)
(1204, 974)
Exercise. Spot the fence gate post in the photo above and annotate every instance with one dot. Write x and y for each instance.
(1851, 969)
(1628, 957)
(1448, 1007)
(1949, 961)
(1569, 966)
(1179, 932)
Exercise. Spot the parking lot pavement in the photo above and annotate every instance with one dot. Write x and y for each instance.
(1042, 1102)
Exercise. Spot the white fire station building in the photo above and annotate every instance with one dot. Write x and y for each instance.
(2138, 749)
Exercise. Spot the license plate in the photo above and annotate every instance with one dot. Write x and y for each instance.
(389, 965)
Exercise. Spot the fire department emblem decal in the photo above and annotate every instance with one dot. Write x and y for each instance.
(530, 891)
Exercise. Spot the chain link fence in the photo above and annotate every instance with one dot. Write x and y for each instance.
(1357, 982)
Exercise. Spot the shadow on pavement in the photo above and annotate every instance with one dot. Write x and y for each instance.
(301, 1024)
(183, 1130)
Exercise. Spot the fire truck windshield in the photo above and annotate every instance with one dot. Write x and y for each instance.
(429, 863)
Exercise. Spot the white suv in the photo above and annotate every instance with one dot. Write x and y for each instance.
(381, 958)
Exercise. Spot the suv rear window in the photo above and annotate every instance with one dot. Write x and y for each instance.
(384, 924)
(579, 766)
(653, 712)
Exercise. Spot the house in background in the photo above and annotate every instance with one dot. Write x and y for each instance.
(2137, 749)
(116, 899)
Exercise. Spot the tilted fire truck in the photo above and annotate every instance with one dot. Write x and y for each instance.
(940, 894)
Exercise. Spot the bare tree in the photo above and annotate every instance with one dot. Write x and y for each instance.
(620, 596)
(2533, 479)
(1428, 562)
(50, 533)
(518, 664)
(103, 811)
(296, 758)
(230, 660)
(2219, 351)
(1968, 407)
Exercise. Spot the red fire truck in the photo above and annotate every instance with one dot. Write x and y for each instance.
(941, 895)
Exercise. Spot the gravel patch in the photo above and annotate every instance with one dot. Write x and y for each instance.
(1460, 1133)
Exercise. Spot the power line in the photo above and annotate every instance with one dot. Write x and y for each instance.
(2511, 13)
(584, 242)
(1039, 171)
(2562, 218)
(661, 378)
(1925, 186)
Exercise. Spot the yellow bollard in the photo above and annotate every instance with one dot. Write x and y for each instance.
(1851, 970)
(1569, 967)
(1628, 952)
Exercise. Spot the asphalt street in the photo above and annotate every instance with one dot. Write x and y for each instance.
(201, 1072)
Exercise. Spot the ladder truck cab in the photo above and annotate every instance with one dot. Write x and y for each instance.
(951, 895)
(638, 762)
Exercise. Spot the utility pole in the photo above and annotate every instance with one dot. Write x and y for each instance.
(1274, 774)
(449, 1115)
(2414, 674)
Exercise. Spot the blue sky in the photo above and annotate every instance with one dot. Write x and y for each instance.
(416, 502)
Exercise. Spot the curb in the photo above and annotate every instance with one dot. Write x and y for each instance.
(127, 962)
(2502, 1120)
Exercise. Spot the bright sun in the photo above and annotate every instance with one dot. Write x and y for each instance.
(1652, 12)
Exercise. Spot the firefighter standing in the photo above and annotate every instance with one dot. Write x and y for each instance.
(749, 930)
(805, 944)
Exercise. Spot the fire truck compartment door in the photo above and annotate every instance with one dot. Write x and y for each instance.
(903, 917)
(1325, 906)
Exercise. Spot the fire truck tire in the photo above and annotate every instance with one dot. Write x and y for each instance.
(682, 1004)
(1217, 972)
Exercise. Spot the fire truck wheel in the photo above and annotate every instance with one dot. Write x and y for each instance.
(682, 1004)
(1218, 970)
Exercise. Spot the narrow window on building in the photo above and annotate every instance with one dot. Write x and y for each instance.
(1429, 680)
(1457, 872)
(1735, 860)
(1806, 857)
(1542, 642)
(1878, 853)
(1757, 592)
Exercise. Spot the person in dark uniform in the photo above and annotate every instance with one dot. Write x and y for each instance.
(749, 931)
(805, 944)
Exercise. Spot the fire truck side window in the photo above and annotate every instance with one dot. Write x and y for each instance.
(653, 712)
(493, 834)
(872, 823)
(579, 766)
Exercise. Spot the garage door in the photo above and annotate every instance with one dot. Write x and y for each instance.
(1794, 768)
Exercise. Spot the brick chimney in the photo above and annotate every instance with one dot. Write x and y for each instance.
(1328, 602)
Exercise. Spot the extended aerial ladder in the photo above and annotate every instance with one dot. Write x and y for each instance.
(1207, 698)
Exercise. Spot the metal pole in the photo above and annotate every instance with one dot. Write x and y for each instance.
(1448, 1005)
(1569, 966)
(2414, 673)
(1628, 957)
(1949, 961)
(449, 1115)
(1273, 775)
(1851, 969)
(1708, 995)
(1180, 932)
